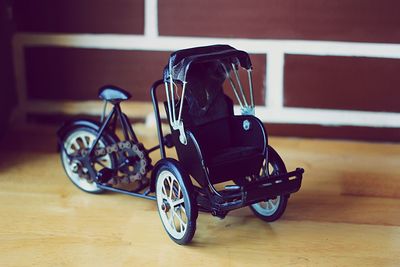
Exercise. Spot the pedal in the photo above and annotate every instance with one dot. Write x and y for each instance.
(232, 187)
(104, 175)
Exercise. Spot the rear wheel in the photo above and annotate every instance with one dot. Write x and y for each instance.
(76, 141)
(272, 209)
(175, 201)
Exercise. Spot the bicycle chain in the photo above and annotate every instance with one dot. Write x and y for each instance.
(132, 150)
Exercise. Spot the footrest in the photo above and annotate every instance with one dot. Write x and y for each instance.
(273, 186)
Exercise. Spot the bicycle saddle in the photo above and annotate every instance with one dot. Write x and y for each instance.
(113, 94)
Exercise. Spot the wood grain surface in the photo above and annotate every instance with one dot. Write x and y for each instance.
(347, 213)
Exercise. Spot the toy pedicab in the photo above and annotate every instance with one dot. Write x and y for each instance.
(224, 161)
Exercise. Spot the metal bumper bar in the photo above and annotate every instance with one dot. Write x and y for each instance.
(262, 190)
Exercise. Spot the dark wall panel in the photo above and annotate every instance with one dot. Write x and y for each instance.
(8, 98)
(342, 20)
(57, 73)
(81, 16)
(352, 83)
(77, 74)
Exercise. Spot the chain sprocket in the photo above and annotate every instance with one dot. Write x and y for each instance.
(134, 164)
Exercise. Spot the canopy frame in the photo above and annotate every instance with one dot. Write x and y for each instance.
(222, 54)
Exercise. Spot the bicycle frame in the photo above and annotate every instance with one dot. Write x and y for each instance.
(127, 130)
(110, 123)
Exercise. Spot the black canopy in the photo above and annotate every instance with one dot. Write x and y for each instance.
(181, 60)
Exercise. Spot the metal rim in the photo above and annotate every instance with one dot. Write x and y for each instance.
(171, 204)
(268, 207)
(76, 141)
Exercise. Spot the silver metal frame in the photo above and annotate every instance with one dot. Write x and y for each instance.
(171, 90)
(175, 122)
(245, 108)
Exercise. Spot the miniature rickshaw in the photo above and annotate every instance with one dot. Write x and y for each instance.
(224, 161)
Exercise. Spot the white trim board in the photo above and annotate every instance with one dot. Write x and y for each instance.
(265, 114)
(151, 18)
(274, 111)
(152, 42)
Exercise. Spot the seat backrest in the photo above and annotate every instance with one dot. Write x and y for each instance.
(211, 129)
(221, 107)
(213, 136)
(206, 109)
(204, 95)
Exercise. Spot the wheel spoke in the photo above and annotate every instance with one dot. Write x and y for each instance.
(81, 142)
(171, 220)
(183, 209)
(171, 184)
(85, 141)
(272, 204)
(164, 191)
(91, 141)
(101, 163)
(178, 202)
(182, 223)
(75, 144)
(274, 201)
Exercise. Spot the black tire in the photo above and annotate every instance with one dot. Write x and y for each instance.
(82, 133)
(278, 205)
(169, 171)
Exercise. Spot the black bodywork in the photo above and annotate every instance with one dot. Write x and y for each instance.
(220, 146)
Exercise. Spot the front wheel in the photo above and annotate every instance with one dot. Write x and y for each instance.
(272, 209)
(78, 140)
(175, 201)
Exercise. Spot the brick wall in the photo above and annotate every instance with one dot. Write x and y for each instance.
(322, 68)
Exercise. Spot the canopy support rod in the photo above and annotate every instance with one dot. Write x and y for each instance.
(232, 85)
(235, 90)
(182, 98)
(172, 98)
(240, 84)
(168, 102)
(250, 78)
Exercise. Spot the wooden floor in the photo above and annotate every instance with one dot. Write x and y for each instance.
(347, 213)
